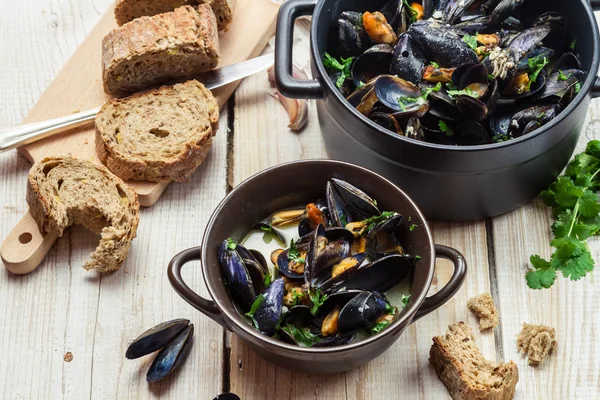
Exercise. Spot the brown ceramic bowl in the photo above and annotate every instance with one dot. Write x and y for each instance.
(289, 185)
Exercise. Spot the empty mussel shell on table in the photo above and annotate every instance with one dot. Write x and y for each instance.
(155, 338)
(227, 396)
(171, 356)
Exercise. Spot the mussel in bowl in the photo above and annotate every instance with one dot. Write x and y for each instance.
(325, 273)
(441, 71)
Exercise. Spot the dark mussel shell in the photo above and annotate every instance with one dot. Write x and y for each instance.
(357, 96)
(471, 133)
(566, 62)
(301, 316)
(557, 24)
(386, 121)
(381, 240)
(454, 10)
(283, 265)
(337, 340)
(155, 338)
(473, 25)
(527, 40)
(324, 253)
(535, 88)
(372, 63)
(352, 264)
(360, 204)
(472, 108)
(540, 52)
(442, 44)
(557, 86)
(339, 212)
(268, 313)
(389, 89)
(521, 121)
(488, 6)
(380, 275)
(471, 75)
(227, 396)
(408, 59)
(442, 106)
(236, 277)
(503, 10)
(312, 217)
(352, 36)
(361, 312)
(261, 226)
(171, 356)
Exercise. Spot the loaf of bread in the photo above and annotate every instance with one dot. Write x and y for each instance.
(465, 372)
(149, 51)
(62, 191)
(162, 134)
(128, 10)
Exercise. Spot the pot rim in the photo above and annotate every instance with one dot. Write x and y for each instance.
(231, 316)
(585, 90)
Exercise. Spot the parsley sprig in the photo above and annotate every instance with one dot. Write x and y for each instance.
(414, 14)
(464, 92)
(317, 298)
(562, 76)
(254, 307)
(536, 65)
(406, 102)
(374, 220)
(574, 200)
(343, 66)
(302, 336)
(294, 253)
(444, 127)
(471, 41)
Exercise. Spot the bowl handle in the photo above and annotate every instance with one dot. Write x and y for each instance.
(284, 43)
(201, 304)
(434, 302)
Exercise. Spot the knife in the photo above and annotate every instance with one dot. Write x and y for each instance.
(11, 138)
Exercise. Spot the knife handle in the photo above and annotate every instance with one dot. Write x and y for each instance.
(11, 138)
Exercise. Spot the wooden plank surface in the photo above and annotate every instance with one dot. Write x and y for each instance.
(61, 308)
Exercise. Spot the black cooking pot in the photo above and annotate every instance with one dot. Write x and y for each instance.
(447, 182)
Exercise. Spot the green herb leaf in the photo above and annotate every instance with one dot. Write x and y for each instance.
(578, 87)
(302, 336)
(294, 254)
(254, 307)
(413, 13)
(405, 101)
(536, 65)
(434, 64)
(465, 92)
(562, 76)
(500, 138)
(573, 44)
(268, 280)
(372, 221)
(543, 276)
(471, 41)
(451, 86)
(412, 227)
(491, 77)
(445, 128)
(417, 257)
(297, 297)
(343, 67)
(405, 299)
(231, 244)
(317, 298)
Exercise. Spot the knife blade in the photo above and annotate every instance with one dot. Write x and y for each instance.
(14, 137)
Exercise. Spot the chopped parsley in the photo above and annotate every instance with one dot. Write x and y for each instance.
(268, 279)
(342, 66)
(541, 115)
(536, 65)
(414, 14)
(231, 244)
(471, 41)
(296, 297)
(384, 323)
(317, 299)
(446, 129)
(465, 92)
(372, 221)
(574, 200)
(405, 299)
(500, 138)
(412, 227)
(573, 44)
(434, 64)
(302, 336)
(491, 77)
(417, 257)
(405, 101)
(254, 307)
(294, 254)
(451, 86)
(562, 76)
(578, 87)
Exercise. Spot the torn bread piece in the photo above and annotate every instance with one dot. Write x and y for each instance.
(63, 191)
(466, 373)
(484, 308)
(536, 341)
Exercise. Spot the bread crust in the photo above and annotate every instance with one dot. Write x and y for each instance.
(149, 51)
(137, 155)
(463, 370)
(63, 190)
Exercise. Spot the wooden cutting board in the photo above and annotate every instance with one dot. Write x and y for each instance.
(78, 87)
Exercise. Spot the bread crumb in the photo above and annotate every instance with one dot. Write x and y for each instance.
(536, 341)
(484, 308)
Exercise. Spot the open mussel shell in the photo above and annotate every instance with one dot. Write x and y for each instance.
(408, 59)
(352, 37)
(503, 10)
(348, 266)
(155, 338)
(472, 108)
(380, 275)
(360, 204)
(268, 313)
(535, 88)
(340, 215)
(567, 62)
(324, 252)
(471, 133)
(442, 106)
(357, 96)
(361, 312)
(525, 41)
(389, 89)
(266, 228)
(557, 85)
(283, 265)
(556, 22)
(381, 239)
(301, 316)
(414, 130)
(538, 52)
(386, 121)
(236, 276)
(171, 356)
(522, 120)
(315, 214)
(475, 74)
(372, 63)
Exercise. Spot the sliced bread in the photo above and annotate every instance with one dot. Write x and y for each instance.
(465, 372)
(149, 51)
(159, 135)
(128, 10)
(484, 308)
(536, 341)
(62, 191)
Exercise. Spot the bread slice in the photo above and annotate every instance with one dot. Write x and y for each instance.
(62, 191)
(484, 308)
(536, 341)
(464, 370)
(149, 51)
(128, 10)
(159, 135)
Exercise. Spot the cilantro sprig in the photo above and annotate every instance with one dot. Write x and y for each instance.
(471, 41)
(317, 298)
(444, 127)
(536, 65)
(405, 101)
(294, 253)
(574, 200)
(343, 66)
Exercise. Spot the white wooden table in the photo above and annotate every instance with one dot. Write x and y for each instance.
(61, 308)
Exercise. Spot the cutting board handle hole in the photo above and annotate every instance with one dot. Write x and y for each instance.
(25, 238)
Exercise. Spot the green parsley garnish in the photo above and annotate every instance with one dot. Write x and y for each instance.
(465, 92)
(573, 44)
(562, 76)
(343, 67)
(231, 245)
(574, 200)
(471, 41)
(302, 336)
(405, 299)
(541, 115)
(294, 254)
(417, 257)
(297, 297)
(414, 13)
(372, 221)
(254, 307)
(500, 138)
(405, 101)
(412, 227)
(491, 77)
(445, 128)
(578, 87)
(361, 85)
(434, 64)
(317, 299)
(536, 65)
(268, 280)
(451, 86)
(378, 327)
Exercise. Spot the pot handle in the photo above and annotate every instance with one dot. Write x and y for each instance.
(284, 43)
(434, 302)
(201, 304)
